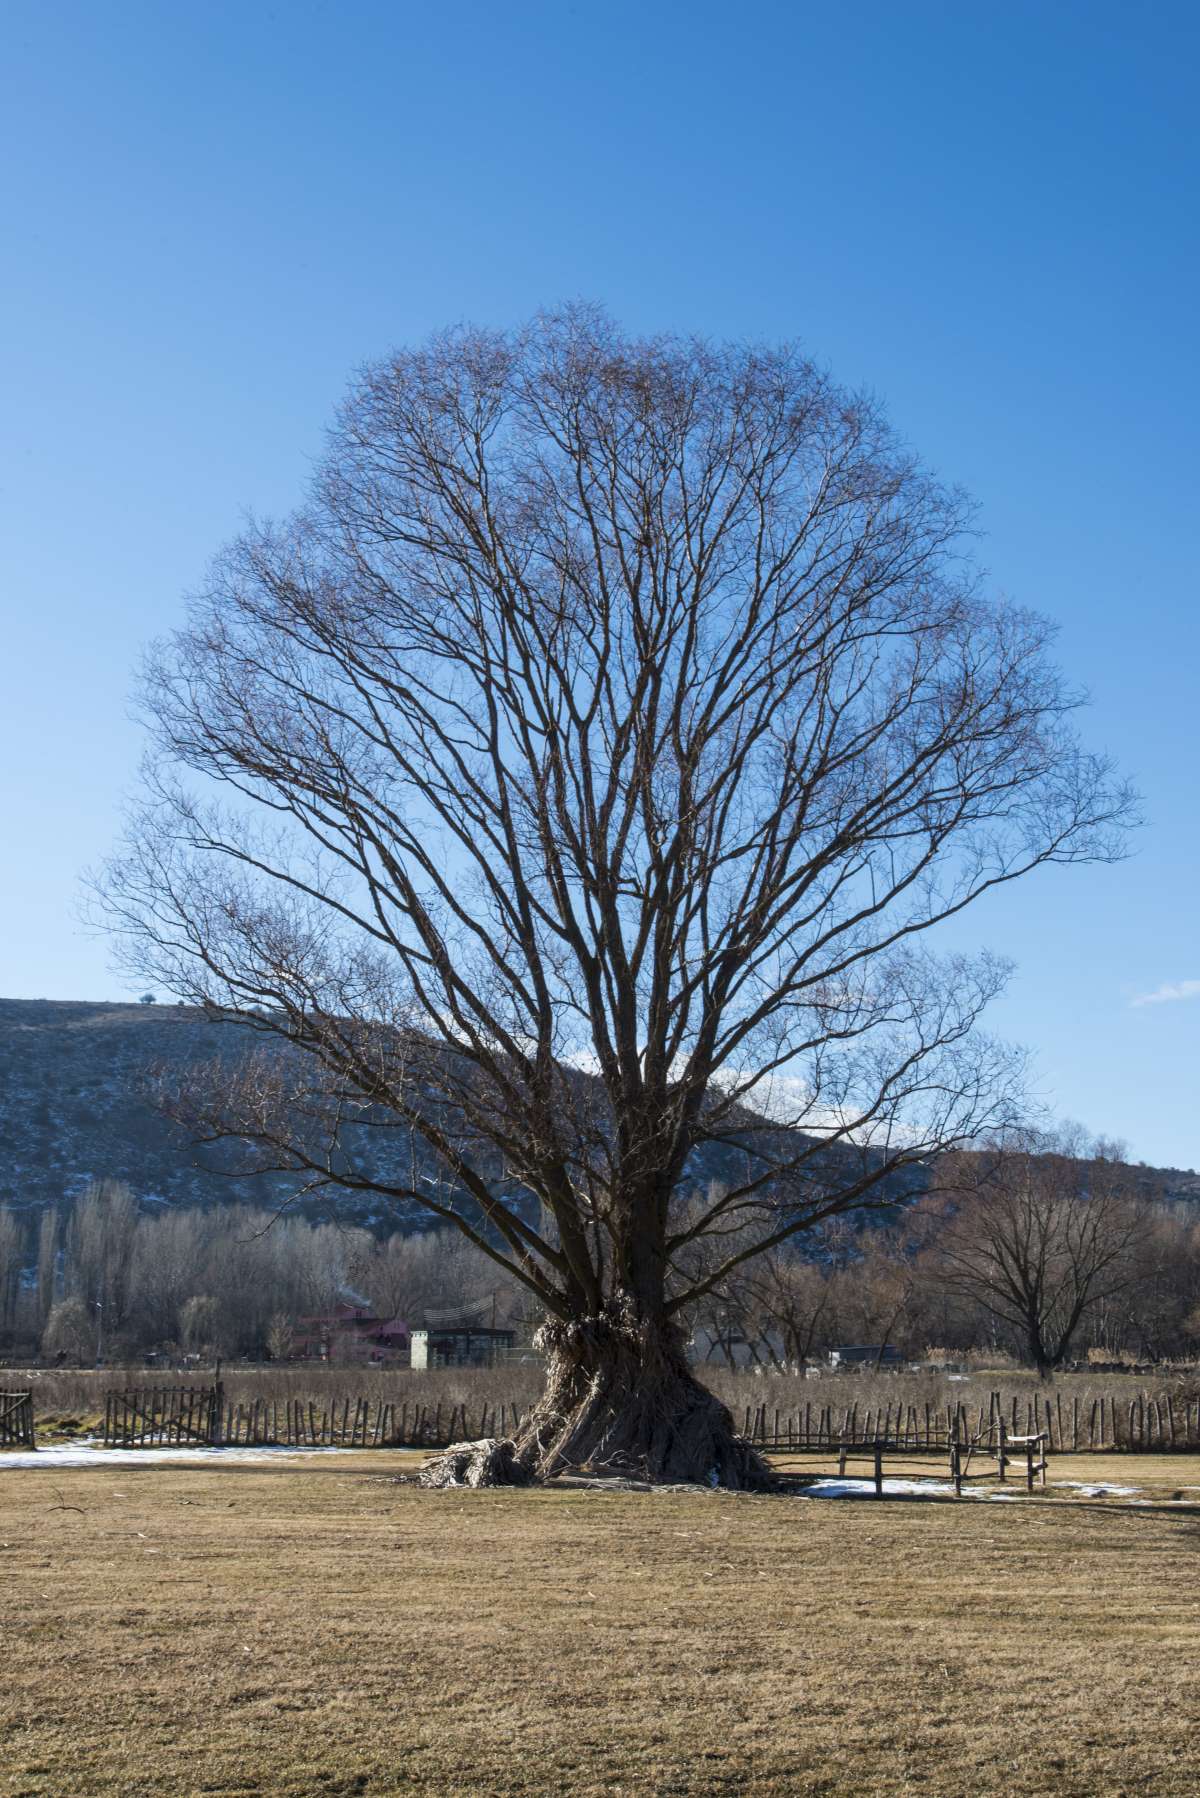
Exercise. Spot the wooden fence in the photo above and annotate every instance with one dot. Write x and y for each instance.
(16, 1420)
(164, 1416)
(1008, 1451)
(1144, 1425)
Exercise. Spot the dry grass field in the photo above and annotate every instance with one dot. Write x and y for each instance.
(78, 1394)
(318, 1629)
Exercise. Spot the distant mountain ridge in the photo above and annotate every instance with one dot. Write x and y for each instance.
(73, 1108)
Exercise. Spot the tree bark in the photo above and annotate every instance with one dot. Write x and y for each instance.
(620, 1400)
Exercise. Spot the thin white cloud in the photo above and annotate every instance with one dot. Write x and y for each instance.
(1163, 995)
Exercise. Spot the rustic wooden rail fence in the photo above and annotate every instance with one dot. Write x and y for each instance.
(165, 1416)
(16, 1420)
(162, 1416)
(1006, 1450)
(1143, 1425)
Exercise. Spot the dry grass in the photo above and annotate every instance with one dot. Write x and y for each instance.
(57, 1391)
(869, 1389)
(318, 1629)
(79, 1393)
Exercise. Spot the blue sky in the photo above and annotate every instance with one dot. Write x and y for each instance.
(987, 215)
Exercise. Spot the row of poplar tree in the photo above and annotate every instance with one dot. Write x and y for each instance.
(1044, 1256)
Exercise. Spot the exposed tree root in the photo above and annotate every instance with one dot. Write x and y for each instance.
(485, 1463)
(620, 1401)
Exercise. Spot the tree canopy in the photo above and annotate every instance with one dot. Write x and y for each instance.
(574, 782)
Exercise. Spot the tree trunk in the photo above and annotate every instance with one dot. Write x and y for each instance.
(621, 1400)
(1039, 1354)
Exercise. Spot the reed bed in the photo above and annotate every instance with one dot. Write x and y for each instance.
(80, 1393)
(869, 1389)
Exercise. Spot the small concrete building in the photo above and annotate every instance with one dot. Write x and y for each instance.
(866, 1354)
(465, 1345)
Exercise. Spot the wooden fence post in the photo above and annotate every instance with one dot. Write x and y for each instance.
(956, 1461)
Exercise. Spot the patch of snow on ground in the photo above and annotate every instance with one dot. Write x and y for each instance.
(1098, 1489)
(835, 1488)
(89, 1453)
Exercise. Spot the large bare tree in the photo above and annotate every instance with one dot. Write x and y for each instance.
(573, 783)
(1039, 1234)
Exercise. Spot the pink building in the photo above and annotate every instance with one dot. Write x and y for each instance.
(351, 1333)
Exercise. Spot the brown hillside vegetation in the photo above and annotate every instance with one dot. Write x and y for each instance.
(258, 1629)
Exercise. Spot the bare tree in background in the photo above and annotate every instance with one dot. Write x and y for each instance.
(574, 781)
(12, 1257)
(170, 1255)
(100, 1258)
(70, 1332)
(408, 1276)
(874, 1290)
(1150, 1315)
(47, 1266)
(199, 1322)
(795, 1293)
(770, 1308)
(1039, 1235)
